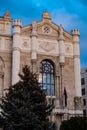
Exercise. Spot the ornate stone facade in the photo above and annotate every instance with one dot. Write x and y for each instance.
(37, 42)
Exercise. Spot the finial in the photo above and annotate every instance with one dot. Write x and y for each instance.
(7, 14)
(46, 15)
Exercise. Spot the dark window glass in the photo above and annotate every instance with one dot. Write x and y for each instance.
(82, 81)
(46, 77)
(83, 91)
(84, 102)
(84, 112)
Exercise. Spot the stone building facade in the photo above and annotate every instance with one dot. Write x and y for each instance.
(50, 51)
(84, 89)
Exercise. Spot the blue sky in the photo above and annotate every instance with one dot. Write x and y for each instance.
(72, 14)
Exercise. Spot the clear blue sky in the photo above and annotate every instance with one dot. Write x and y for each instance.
(72, 14)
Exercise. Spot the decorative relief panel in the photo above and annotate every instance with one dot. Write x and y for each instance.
(78, 102)
(47, 47)
(8, 44)
(25, 43)
(68, 49)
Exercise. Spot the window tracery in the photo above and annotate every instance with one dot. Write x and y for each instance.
(46, 77)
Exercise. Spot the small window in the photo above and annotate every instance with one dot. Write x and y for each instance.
(84, 102)
(82, 81)
(84, 112)
(83, 91)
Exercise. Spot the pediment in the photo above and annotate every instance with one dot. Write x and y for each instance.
(46, 29)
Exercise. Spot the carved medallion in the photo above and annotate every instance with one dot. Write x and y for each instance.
(46, 29)
(25, 45)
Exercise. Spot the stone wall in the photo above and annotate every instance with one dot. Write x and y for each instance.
(69, 81)
(7, 59)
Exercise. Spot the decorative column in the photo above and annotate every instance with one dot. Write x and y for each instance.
(34, 46)
(16, 51)
(61, 62)
(76, 54)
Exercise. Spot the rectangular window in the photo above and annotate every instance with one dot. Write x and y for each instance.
(83, 91)
(84, 112)
(82, 81)
(84, 102)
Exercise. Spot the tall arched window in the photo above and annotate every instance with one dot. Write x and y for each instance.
(46, 77)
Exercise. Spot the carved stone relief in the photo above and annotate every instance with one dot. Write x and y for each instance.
(68, 49)
(46, 29)
(78, 103)
(25, 45)
(47, 46)
(8, 44)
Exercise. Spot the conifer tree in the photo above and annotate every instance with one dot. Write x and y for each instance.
(24, 107)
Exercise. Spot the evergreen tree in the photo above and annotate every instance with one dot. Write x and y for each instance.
(74, 123)
(24, 107)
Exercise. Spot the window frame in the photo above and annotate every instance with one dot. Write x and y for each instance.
(82, 81)
(47, 70)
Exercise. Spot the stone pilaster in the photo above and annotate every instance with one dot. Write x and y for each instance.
(61, 46)
(16, 51)
(61, 62)
(33, 46)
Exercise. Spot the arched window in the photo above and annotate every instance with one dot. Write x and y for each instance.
(46, 77)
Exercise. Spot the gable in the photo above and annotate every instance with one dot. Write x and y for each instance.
(46, 29)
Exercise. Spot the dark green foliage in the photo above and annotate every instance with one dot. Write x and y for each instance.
(24, 107)
(74, 123)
